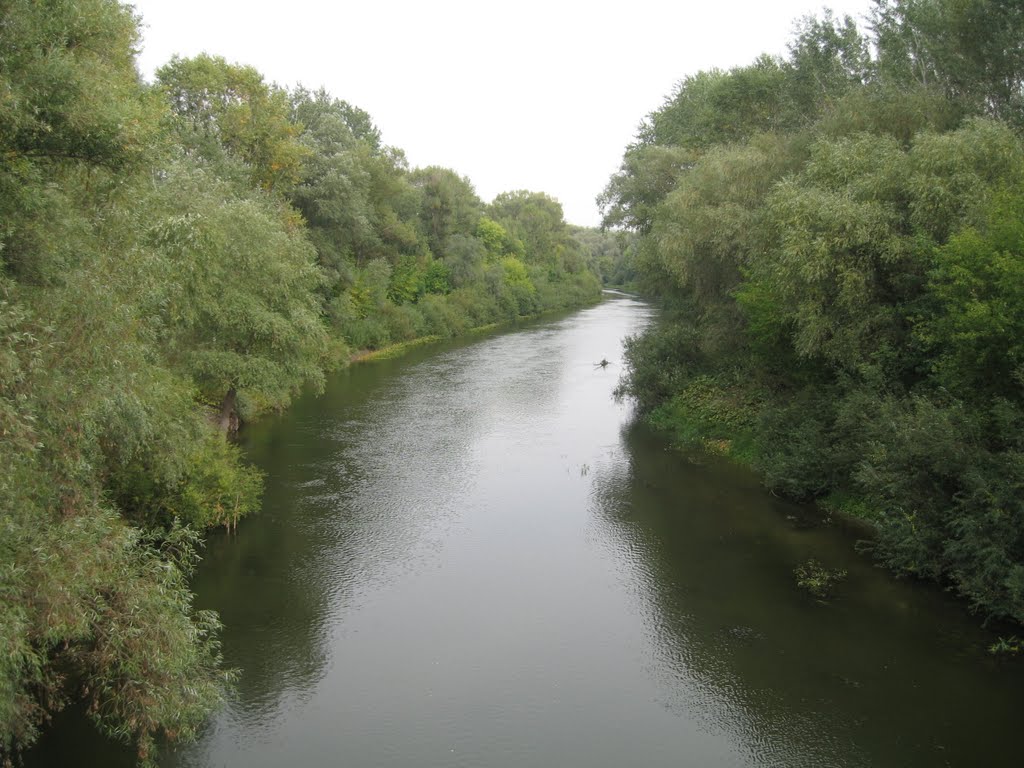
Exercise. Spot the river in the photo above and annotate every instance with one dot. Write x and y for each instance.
(473, 556)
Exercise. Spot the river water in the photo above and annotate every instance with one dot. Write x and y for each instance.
(473, 556)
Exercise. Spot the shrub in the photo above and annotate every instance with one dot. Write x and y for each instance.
(813, 577)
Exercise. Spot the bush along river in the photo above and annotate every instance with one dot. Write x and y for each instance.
(473, 556)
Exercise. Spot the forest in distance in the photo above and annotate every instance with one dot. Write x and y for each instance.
(836, 237)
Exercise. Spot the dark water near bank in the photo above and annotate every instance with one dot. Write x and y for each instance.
(470, 556)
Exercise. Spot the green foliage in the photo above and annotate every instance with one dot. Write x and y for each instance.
(367, 333)
(1007, 645)
(814, 578)
(712, 225)
(444, 318)
(123, 271)
(647, 174)
(97, 611)
(659, 363)
(212, 488)
(237, 299)
(516, 280)
(715, 107)
(828, 58)
(977, 319)
(610, 254)
(407, 281)
(713, 413)
(370, 291)
(70, 89)
(404, 322)
(437, 278)
(71, 101)
(227, 107)
(478, 306)
(838, 235)
(497, 241)
(796, 444)
(838, 248)
(354, 193)
(465, 258)
(93, 609)
(856, 229)
(536, 221)
(972, 51)
(449, 206)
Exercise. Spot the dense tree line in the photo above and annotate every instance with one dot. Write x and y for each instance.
(175, 257)
(839, 236)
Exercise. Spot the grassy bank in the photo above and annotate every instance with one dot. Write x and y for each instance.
(397, 349)
(712, 415)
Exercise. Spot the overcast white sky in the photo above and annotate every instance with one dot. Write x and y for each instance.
(522, 94)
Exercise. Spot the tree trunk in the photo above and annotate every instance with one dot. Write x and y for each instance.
(227, 420)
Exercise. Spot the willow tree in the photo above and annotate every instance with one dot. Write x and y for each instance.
(228, 107)
(238, 302)
(92, 609)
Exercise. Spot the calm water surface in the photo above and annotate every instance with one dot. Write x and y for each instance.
(471, 556)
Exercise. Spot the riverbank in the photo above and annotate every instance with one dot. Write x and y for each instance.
(718, 418)
(397, 349)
